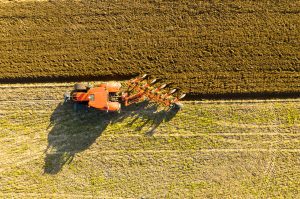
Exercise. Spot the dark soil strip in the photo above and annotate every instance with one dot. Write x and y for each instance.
(237, 96)
(59, 79)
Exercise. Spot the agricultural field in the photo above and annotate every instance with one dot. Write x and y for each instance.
(228, 49)
(203, 47)
(209, 149)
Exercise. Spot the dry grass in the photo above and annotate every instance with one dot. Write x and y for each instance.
(210, 149)
(204, 47)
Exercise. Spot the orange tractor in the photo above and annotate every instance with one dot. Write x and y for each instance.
(112, 95)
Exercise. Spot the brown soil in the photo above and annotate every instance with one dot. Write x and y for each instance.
(208, 47)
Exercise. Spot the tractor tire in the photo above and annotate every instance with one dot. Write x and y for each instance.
(80, 87)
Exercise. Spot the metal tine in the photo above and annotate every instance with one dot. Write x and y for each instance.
(163, 86)
(153, 81)
(182, 96)
(173, 91)
(144, 76)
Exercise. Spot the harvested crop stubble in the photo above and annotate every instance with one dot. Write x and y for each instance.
(209, 149)
(205, 47)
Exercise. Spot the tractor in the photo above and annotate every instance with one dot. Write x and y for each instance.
(111, 96)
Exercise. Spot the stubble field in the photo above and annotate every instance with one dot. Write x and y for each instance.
(210, 149)
(202, 47)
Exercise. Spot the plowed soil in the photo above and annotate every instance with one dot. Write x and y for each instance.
(202, 47)
(209, 149)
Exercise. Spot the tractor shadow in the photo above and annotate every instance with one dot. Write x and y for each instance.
(72, 132)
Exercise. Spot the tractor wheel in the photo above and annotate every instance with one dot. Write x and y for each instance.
(80, 87)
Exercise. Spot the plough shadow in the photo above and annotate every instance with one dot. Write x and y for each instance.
(72, 131)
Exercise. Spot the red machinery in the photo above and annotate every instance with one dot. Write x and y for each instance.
(109, 96)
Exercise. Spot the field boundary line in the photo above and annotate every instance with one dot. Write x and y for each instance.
(185, 135)
(184, 102)
(35, 86)
(229, 101)
(32, 100)
(183, 151)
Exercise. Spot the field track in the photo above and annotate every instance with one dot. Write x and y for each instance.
(206, 48)
(231, 148)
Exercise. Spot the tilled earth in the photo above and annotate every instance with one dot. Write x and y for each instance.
(243, 149)
(202, 47)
